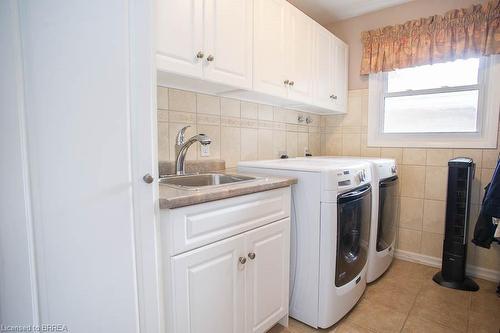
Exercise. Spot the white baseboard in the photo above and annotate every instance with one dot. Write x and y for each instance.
(474, 271)
(483, 273)
(418, 258)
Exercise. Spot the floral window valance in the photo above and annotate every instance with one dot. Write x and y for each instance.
(459, 34)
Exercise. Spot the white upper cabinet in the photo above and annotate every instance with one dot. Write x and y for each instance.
(324, 65)
(299, 32)
(206, 39)
(340, 56)
(265, 51)
(228, 42)
(179, 35)
(270, 67)
(330, 71)
(282, 51)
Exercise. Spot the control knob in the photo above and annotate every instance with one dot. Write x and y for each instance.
(362, 175)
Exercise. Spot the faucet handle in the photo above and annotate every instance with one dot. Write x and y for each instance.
(180, 135)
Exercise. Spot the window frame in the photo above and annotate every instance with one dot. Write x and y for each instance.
(487, 113)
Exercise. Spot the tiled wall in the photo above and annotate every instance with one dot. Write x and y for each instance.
(423, 174)
(239, 130)
(248, 131)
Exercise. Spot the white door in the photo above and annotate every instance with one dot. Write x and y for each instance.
(323, 68)
(179, 39)
(17, 290)
(299, 55)
(270, 47)
(267, 275)
(228, 42)
(78, 240)
(340, 74)
(208, 288)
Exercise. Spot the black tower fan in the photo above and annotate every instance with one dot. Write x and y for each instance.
(452, 275)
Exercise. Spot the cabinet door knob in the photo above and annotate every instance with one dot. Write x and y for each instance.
(251, 255)
(333, 96)
(242, 260)
(148, 179)
(210, 57)
(200, 55)
(291, 83)
(286, 82)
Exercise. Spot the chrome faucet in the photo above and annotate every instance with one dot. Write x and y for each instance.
(182, 146)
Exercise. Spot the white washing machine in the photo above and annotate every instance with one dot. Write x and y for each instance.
(384, 212)
(331, 212)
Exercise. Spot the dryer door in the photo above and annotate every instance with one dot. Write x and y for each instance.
(387, 212)
(353, 233)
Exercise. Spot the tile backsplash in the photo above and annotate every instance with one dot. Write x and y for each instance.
(239, 130)
(423, 179)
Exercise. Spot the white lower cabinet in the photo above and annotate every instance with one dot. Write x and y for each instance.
(209, 288)
(239, 284)
(267, 275)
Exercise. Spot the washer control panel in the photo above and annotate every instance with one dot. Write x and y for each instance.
(349, 177)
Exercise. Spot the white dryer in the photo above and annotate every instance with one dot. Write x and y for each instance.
(384, 211)
(331, 212)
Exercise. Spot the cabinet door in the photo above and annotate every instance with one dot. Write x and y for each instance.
(208, 288)
(228, 42)
(340, 74)
(323, 68)
(180, 36)
(299, 55)
(267, 275)
(270, 47)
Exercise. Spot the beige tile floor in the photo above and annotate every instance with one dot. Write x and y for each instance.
(405, 299)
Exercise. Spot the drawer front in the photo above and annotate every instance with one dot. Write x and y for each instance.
(198, 225)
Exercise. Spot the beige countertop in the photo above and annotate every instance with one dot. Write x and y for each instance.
(171, 197)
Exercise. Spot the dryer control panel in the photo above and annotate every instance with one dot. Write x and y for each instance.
(386, 169)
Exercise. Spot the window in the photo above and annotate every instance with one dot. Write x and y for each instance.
(453, 104)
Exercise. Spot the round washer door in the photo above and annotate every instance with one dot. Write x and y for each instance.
(353, 233)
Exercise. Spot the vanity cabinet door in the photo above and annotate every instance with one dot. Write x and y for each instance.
(208, 288)
(267, 271)
(179, 37)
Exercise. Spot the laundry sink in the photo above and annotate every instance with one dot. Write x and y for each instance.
(203, 180)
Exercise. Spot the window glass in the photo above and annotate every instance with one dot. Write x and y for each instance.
(449, 74)
(432, 113)
(445, 105)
